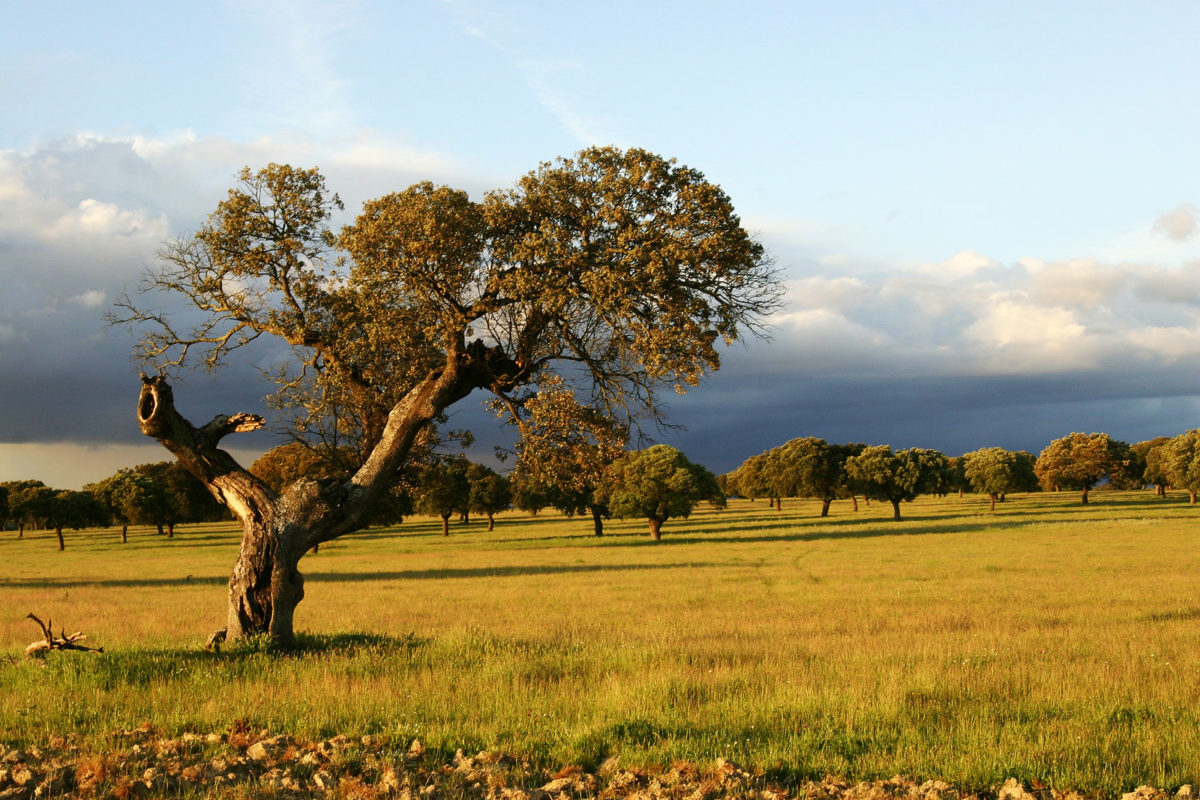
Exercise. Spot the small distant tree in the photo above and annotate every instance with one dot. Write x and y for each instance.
(754, 478)
(657, 484)
(527, 493)
(69, 509)
(1181, 462)
(1079, 461)
(812, 467)
(488, 492)
(444, 490)
(995, 472)
(131, 498)
(565, 448)
(186, 497)
(896, 477)
(28, 502)
(1154, 457)
(956, 475)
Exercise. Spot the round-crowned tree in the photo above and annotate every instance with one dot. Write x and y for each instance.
(1079, 461)
(1181, 462)
(896, 477)
(617, 269)
(658, 484)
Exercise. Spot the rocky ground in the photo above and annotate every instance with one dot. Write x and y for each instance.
(144, 763)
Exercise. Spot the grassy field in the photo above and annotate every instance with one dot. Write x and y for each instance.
(1048, 641)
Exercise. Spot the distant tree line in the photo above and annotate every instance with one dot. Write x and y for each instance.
(813, 468)
(575, 461)
(162, 494)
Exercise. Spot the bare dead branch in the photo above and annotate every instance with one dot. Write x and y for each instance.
(61, 642)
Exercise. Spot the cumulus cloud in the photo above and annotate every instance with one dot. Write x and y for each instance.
(1082, 283)
(1016, 336)
(827, 293)
(1179, 224)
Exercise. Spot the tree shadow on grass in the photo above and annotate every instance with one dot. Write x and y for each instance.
(148, 666)
(837, 529)
(355, 577)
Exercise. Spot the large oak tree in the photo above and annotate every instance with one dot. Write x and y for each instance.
(617, 269)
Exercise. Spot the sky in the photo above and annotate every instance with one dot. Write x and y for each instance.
(986, 214)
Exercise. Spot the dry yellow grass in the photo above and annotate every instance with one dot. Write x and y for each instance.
(1047, 641)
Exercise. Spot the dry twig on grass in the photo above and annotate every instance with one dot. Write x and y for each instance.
(61, 642)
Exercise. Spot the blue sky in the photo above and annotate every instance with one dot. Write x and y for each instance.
(986, 212)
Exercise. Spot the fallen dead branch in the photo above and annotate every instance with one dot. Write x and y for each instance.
(61, 642)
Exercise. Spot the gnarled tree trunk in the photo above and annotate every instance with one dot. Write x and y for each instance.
(277, 530)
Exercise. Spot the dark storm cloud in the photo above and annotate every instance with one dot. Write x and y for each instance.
(951, 414)
(954, 356)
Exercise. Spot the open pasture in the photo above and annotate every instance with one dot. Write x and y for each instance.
(1048, 641)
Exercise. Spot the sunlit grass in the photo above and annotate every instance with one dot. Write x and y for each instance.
(1047, 641)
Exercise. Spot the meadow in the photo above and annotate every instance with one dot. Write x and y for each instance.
(1049, 641)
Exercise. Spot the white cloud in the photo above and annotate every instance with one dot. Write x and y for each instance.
(828, 293)
(962, 265)
(1082, 283)
(1179, 286)
(1179, 224)
(1020, 337)
(94, 219)
(93, 298)
(1171, 344)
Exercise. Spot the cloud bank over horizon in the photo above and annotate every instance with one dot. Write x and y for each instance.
(956, 354)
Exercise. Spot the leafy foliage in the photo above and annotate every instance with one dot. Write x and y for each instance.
(896, 477)
(997, 472)
(564, 450)
(618, 262)
(657, 484)
(1081, 460)
(1181, 462)
(444, 489)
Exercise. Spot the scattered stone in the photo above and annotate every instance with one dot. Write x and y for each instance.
(1145, 793)
(270, 749)
(1013, 790)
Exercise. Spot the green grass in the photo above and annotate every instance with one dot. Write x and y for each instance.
(1047, 641)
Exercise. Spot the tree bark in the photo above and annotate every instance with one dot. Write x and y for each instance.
(655, 528)
(1160, 490)
(993, 498)
(597, 521)
(1192, 496)
(170, 530)
(896, 510)
(58, 532)
(20, 530)
(854, 500)
(1085, 495)
(825, 507)
(491, 522)
(445, 524)
(124, 534)
(277, 530)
